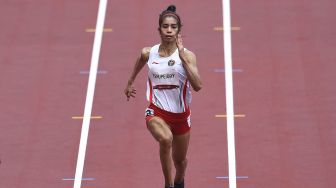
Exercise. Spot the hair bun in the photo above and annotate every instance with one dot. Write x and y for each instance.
(171, 8)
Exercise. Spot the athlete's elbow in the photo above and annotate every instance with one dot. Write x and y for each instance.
(197, 87)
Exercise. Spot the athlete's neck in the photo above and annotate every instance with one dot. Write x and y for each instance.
(167, 48)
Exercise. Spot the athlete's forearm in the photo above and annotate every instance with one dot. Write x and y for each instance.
(192, 73)
(189, 63)
(193, 77)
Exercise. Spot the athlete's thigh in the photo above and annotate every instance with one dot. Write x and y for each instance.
(180, 146)
(159, 128)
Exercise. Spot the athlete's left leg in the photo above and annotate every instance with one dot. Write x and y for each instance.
(180, 148)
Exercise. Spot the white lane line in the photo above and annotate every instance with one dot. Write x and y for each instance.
(88, 72)
(227, 177)
(229, 92)
(83, 179)
(90, 92)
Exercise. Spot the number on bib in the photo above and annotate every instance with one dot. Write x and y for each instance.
(149, 112)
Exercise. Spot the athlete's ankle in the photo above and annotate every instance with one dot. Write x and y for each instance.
(179, 184)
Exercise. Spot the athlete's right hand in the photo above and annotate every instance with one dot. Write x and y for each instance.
(130, 91)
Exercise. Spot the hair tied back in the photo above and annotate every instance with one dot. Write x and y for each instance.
(171, 8)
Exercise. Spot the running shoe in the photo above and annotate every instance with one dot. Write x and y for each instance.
(179, 185)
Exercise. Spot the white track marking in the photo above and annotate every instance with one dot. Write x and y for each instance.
(229, 93)
(227, 177)
(83, 179)
(90, 92)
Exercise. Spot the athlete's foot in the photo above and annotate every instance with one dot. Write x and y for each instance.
(179, 185)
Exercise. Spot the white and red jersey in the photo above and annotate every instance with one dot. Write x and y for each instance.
(167, 87)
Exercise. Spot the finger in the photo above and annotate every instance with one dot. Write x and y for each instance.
(129, 93)
(179, 42)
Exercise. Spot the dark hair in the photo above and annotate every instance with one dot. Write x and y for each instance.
(170, 11)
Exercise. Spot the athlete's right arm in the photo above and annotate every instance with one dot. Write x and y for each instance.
(130, 91)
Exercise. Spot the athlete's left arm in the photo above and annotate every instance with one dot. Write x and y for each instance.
(189, 63)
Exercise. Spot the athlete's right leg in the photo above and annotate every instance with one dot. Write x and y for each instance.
(162, 133)
(180, 149)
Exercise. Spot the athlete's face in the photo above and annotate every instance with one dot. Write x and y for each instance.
(169, 29)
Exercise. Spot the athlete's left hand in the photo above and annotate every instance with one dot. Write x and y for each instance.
(179, 43)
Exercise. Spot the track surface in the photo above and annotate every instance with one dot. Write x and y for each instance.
(285, 86)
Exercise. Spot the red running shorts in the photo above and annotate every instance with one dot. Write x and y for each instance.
(179, 123)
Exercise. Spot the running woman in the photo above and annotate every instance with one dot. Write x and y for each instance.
(172, 72)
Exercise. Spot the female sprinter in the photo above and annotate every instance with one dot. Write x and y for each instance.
(172, 69)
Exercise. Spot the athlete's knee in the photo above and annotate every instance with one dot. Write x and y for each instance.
(166, 141)
(181, 162)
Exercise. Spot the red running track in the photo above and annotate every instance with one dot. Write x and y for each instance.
(284, 54)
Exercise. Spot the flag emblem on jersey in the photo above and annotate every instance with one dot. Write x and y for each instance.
(171, 62)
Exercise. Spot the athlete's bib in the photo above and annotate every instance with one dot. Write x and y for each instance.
(164, 77)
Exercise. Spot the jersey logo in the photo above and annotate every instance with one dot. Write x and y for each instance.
(149, 112)
(155, 62)
(171, 62)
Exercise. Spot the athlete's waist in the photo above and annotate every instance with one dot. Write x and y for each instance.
(172, 115)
